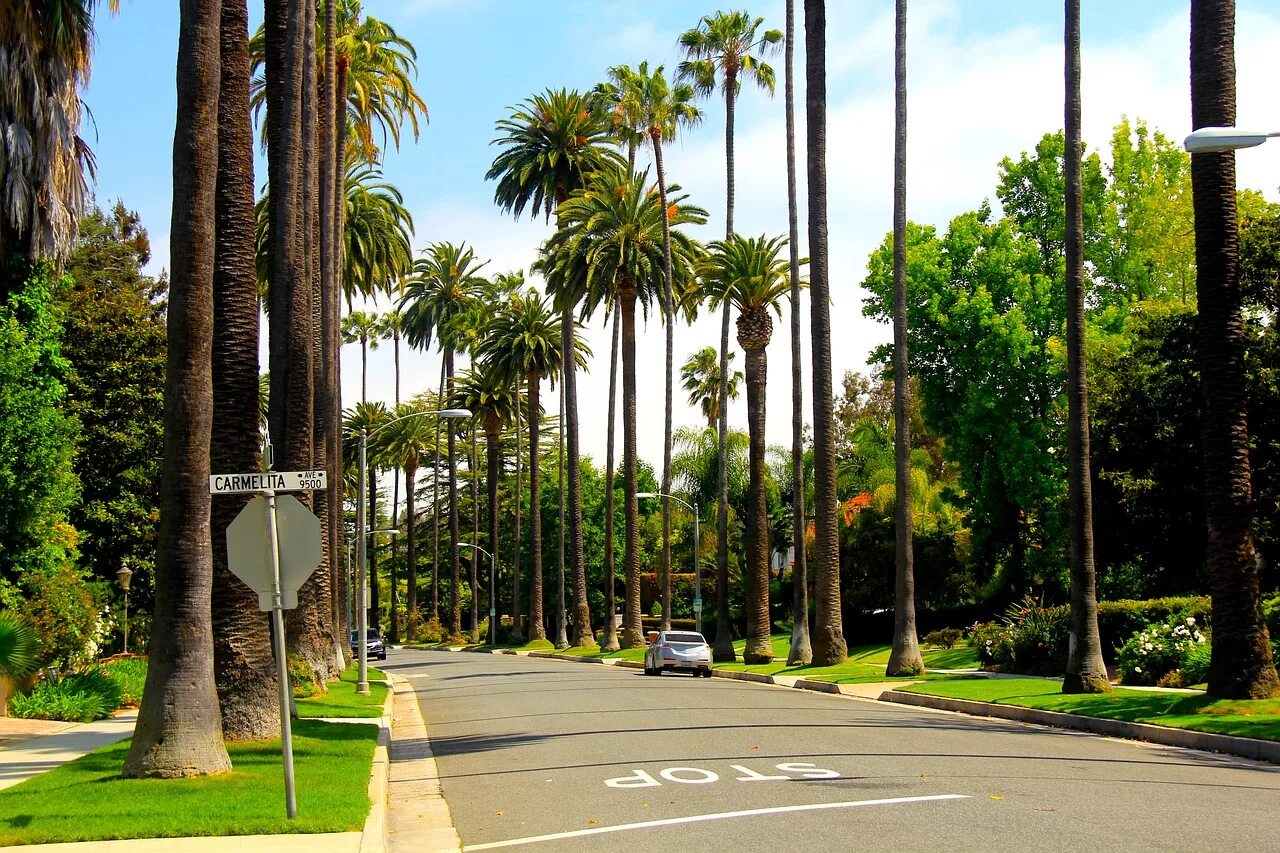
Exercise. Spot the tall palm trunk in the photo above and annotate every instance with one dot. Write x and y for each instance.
(517, 633)
(801, 653)
(435, 508)
(582, 633)
(829, 646)
(372, 550)
(754, 331)
(537, 627)
(493, 469)
(669, 320)
(1241, 665)
(411, 557)
(1086, 673)
(632, 629)
(395, 497)
(904, 655)
(244, 667)
(455, 602)
(562, 639)
(179, 729)
(475, 537)
(610, 643)
(723, 648)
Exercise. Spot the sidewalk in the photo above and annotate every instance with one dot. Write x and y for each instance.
(33, 747)
(35, 754)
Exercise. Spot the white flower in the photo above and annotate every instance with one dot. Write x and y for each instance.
(1147, 647)
(1137, 669)
(1191, 620)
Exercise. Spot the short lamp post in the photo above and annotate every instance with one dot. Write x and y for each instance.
(493, 611)
(124, 575)
(697, 554)
(362, 648)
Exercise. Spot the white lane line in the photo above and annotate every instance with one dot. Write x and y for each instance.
(534, 839)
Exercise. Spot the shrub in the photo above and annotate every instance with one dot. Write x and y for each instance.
(431, 631)
(1154, 652)
(506, 632)
(991, 642)
(17, 646)
(79, 698)
(944, 637)
(130, 675)
(302, 680)
(1195, 667)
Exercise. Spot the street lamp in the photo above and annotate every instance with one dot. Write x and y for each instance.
(697, 554)
(362, 650)
(1216, 139)
(493, 611)
(352, 594)
(123, 575)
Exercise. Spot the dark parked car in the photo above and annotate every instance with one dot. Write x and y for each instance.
(373, 642)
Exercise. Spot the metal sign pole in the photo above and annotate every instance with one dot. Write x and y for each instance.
(697, 570)
(362, 617)
(282, 669)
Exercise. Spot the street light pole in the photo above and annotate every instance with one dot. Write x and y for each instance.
(493, 610)
(124, 575)
(362, 650)
(697, 553)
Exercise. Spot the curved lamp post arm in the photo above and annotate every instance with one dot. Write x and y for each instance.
(697, 552)
(493, 570)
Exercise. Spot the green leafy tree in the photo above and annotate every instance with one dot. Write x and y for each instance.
(114, 341)
(700, 378)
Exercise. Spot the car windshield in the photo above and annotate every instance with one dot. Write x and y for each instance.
(694, 639)
(372, 635)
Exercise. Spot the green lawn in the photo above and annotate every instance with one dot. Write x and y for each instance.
(1258, 718)
(342, 699)
(865, 663)
(86, 800)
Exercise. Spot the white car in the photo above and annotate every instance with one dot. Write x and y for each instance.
(678, 650)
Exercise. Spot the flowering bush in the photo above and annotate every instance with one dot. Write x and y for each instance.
(1154, 652)
(1029, 639)
(991, 643)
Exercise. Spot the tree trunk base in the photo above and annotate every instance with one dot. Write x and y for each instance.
(611, 643)
(633, 639)
(801, 653)
(755, 654)
(905, 662)
(829, 647)
(1083, 683)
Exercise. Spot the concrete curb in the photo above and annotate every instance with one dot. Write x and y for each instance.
(1261, 750)
(420, 819)
(373, 838)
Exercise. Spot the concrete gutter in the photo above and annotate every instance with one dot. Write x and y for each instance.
(1245, 747)
(419, 819)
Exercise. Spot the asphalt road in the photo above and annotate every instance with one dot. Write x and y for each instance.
(553, 755)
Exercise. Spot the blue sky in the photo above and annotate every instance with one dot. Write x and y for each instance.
(984, 82)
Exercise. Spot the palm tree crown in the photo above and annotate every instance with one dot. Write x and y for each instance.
(727, 42)
(444, 283)
(748, 272)
(700, 377)
(549, 145)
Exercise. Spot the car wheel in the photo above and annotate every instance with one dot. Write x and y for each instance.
(706, 673)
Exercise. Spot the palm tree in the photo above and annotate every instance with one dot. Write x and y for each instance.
(1242, 666)
(491, 396)
(726, 42)
(43, 160)
(1086, 672)
(608, 97)
(445, 283)
(904, 655)
(244, 667)
(829, 647)
(700, 377)
(748, 274)
(179, 730)
(801, 653)
(610, 243)
(362, 327)
(524, 341)
(659, 110)
(610, 643)
(370, 417)
(549, 148)
(407, 441)
(389, 327)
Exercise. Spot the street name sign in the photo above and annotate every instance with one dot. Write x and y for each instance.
(275, 481)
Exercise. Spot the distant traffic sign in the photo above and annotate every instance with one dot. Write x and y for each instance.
(277, 481)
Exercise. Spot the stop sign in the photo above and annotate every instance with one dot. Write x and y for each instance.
(249, 549)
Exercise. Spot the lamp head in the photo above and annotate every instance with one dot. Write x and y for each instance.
(1216, 139)
(646, 494)
(123, 575)
(454, 413)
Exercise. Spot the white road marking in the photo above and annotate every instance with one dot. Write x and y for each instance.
(534, 839)
(417, 675)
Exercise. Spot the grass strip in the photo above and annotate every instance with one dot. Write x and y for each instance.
(1257, 718)
(86, 800)
(341, 700)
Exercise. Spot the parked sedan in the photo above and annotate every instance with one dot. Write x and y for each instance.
(373, 643)
(678, 650)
